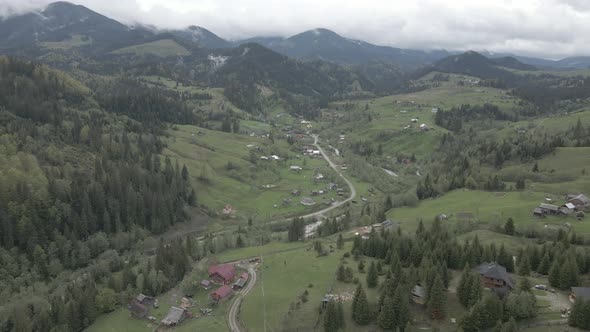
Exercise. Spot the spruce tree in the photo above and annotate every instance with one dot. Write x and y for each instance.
(544, 265)
(509, 227)
(361, 312)
(339, 315)
(372, 276)
(438, 300)
(387, 319)
(340, 242)
(330, 318)
(401, 305)
(554, 278)
(524, 265)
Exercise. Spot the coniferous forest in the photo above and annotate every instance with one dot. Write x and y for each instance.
(78, 187)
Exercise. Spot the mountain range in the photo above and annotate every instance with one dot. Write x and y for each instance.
(64, 25)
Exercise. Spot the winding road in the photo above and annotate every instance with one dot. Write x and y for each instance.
(235, 307)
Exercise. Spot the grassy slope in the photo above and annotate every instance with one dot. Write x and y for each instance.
(242, 188)
(161, 48)
(393, 113)
(486, 207)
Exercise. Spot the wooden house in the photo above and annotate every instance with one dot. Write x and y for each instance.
(494, 276)
(221, 293)
(222, 274)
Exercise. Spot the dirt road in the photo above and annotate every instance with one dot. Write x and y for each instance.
(235, 307)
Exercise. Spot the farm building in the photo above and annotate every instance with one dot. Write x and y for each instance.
(419, 294)
(580, 201)
(137, 310)
(221, 293)
(146, 300)
(582, 293)
(494, 276)
(295, 168)
(538, 212)
(174, 317)
(222, 274)
(206, 284)
(239, 284)
(307, 201)
(296, 192)
(549, 208)
(241, 281)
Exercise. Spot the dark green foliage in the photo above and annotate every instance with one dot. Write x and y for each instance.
(361, 312)
(437, 300)
(372, 276)
(387, 319)
(469, 290)
(340, 242)
(509, 226)
(334, 317)
(296, 230)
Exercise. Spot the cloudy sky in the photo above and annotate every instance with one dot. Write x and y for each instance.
(546, 28)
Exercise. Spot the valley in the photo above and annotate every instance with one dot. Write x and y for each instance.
(170, 180)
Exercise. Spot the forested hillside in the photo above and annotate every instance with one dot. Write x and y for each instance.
(75, 182)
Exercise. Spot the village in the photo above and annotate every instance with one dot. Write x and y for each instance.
(202, 299)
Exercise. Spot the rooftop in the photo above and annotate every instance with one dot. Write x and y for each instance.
(494, 270)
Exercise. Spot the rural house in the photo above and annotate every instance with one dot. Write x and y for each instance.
(222, 274)
(241, 281)
(146, 300)
(419, 294)
(174, 317)
(307, 201)
(137, 310)
(580, 201)
(494, 276)
(582, 293)
(221, 293)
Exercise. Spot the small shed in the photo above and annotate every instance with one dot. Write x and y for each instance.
(307, 201)
(295, 168)
(239, 284)
(145, 300)
(419, 294)
(174, 317)
(206, 284)
(549, 208)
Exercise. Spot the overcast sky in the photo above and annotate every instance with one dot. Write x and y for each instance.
(546, 28)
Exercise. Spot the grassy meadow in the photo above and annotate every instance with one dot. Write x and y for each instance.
(161, 48)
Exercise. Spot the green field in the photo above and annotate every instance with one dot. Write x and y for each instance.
(161, 48)
(487, 208)
(253, 189)
(74, 41)
(284, 277)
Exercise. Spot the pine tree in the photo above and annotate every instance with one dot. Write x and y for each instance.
(387, 319)
(554, 278)
(339, 315)
(525, 285)
(401, 305)
(475, 291)
(438, 300)
(340, 242)
(509, 227)
(524, 264)
(361, 311)
(544, 265)
(372, 276)
(330, 318)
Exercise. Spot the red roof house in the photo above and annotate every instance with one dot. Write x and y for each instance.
(221, 293)
(223, 274)
(245, 276)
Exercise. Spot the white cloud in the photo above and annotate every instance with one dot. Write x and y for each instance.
(549, 28)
